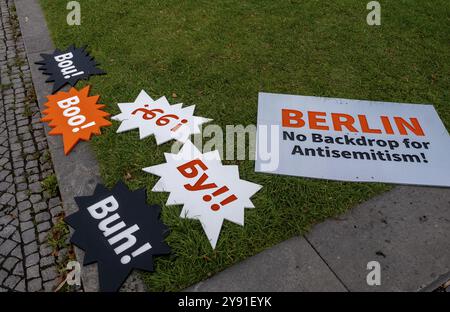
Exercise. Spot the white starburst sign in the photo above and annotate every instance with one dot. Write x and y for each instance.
(158, 117)
(209, 191)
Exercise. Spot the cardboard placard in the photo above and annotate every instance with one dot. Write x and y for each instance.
(68, 67)
(352, 140)
(118, 230)
(167, 122)
(75, 115)
(209, 191)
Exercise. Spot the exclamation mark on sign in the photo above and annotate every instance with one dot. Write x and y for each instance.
(126, 259)
(84, 126)
(425, 160)
(74, 75)
(226, 201)
(179, 125)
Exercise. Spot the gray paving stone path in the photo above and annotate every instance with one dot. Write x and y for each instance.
(28, 211)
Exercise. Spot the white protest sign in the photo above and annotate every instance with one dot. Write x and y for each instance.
(158, 117)
(209, 191)
(352, 140)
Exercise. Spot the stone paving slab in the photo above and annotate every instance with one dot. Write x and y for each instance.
(290, 266)
(406, 230)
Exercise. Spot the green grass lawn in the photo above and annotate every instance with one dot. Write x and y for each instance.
(219, 55)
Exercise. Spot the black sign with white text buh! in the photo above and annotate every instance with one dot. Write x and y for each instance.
(68, 67)
(119, 231)
(352, 140)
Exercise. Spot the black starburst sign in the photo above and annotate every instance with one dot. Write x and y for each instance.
(119, 231)
(68, 67)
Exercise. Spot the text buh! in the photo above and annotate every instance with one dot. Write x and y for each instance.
(100, 211)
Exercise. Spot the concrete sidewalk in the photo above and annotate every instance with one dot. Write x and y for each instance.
(406, 230)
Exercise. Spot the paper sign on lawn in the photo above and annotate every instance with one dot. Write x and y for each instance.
(75, 115)
(118, 230)
(158, 117)
(352, 140)
(68, 67)
(210, 191)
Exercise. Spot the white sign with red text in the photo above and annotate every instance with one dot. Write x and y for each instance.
(352, 140)
(209, 191)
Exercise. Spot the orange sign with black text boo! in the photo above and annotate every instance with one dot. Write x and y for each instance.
(75, 115)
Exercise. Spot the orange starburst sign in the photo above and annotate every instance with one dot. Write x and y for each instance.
(75, 115)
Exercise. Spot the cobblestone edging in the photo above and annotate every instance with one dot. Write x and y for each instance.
(28, 211)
